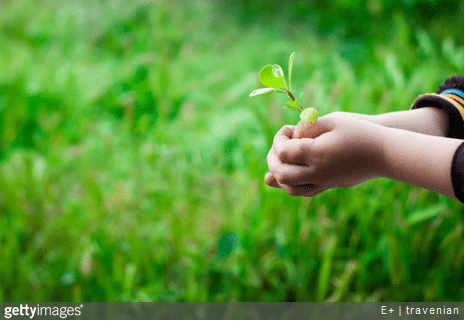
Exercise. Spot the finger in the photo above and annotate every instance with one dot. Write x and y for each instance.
(288, 174)
(316, 192)
(304, 130)
(287, 130)
(287, 149)
(271, 181)
(268, 177)
(294, 151)
(283, 135)
(307, 190)
(299, 190)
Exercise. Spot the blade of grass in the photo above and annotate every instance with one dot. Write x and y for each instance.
(325, 271)
(423, 215)
(344, 282)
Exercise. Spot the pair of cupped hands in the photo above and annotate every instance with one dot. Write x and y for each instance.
(335, 151)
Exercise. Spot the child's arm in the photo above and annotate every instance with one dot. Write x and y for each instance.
(439, 114)
(420, 160)
(427, 120)
(431, 161)
(347, 151)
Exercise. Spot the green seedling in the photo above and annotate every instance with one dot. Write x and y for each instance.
(272, 76)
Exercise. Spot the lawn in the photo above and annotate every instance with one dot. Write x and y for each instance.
(132, 159)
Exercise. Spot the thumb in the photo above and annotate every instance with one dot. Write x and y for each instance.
(305, 130)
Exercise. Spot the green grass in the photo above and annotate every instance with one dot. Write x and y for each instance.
(130, 154)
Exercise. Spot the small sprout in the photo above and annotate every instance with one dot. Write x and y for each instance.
(309, 115)
(261, 91)
(293, 104)
(291, 62)
(272, 76)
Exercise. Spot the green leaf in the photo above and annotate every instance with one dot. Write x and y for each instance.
(273, 76)
(291, 62)
(261, 91)
(293, 103)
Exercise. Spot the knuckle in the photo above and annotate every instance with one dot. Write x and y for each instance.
(293, 191)
(285, 179)
(279, 176)
(281, 131)
(312, 170)
(337, 113)
(281, 152)
(301, 147)
(287, 128)
(318, 154)
(268, 157)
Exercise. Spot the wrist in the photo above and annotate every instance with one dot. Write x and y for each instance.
(381, 136)
(418, 159)
(372, 137)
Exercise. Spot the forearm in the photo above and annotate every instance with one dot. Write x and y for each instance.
(418, 159)
(427, 120)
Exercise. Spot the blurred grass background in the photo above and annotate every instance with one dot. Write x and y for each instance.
(132, 158)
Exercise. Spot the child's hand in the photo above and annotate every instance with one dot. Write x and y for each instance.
(335, 151)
